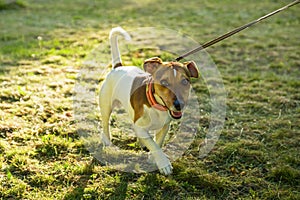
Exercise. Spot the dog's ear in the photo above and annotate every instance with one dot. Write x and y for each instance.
(151, 64)
(192, 67)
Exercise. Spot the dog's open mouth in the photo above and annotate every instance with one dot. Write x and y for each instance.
(176, 115)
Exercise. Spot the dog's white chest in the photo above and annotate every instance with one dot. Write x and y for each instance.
(153, 119)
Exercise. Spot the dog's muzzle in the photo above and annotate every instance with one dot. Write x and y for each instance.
(175, 114)
(178, 105)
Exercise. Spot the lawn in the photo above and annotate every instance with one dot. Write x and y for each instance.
(44, 46)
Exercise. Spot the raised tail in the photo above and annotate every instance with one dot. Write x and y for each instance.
(115, 53)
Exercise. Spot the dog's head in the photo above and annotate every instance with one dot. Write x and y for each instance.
(171, 83)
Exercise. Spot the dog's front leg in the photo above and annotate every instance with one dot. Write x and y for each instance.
(161, 160)
(161, 134)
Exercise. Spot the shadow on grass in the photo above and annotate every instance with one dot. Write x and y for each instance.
(78, 192)
(11, 4)
(4, 69)
(149, 190)
(121, 188)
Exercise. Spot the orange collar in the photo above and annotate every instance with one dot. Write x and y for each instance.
(151, 99)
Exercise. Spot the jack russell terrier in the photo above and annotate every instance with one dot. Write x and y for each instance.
(152, 98)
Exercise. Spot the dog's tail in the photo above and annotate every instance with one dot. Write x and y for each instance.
(115, 53)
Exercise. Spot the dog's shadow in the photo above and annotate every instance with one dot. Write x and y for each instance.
(122, 186)
(150, 186)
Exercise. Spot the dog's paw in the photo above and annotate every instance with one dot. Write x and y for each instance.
(162, 162)
(166, 170)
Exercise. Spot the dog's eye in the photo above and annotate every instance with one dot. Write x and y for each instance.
(164, 83)
(185, 82)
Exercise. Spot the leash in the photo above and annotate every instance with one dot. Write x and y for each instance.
(235, 31)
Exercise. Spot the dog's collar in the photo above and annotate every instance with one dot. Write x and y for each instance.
(151, 99)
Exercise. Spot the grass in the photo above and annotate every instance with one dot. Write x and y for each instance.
(42, 47)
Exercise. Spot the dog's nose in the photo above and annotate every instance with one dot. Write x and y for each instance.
(178, 104)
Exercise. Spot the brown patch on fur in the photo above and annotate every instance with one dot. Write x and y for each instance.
(117, 65)
(192, 67)
(138, 96)
(175, 89)
(151, 64)
(176, 77)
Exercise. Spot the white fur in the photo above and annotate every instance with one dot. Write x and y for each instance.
(175, 72)
(113, 37)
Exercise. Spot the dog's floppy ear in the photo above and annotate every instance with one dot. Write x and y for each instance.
(151, 64)
(192, 67)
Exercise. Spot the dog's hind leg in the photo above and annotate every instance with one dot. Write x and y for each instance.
(105, 110)
(106, 137)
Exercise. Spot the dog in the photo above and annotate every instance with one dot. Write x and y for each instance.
(152, 97)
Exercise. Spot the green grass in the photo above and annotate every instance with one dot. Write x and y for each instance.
(43, 45)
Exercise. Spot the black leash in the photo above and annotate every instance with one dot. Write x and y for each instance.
(226, 35)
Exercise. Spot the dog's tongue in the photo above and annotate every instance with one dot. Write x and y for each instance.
(176, 115)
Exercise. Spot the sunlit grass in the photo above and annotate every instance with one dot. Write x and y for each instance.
(43, 45)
